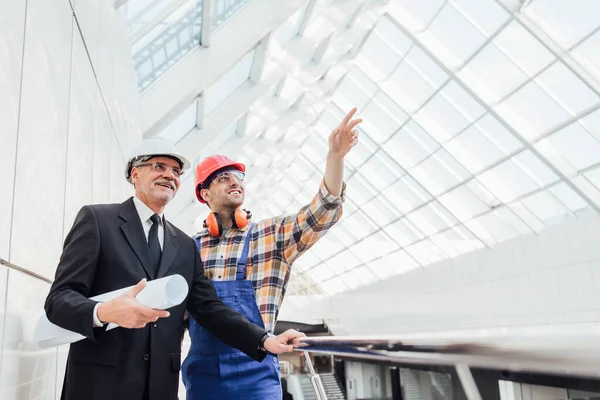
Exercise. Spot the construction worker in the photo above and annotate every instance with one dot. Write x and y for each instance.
(250, 263)
(112, 246)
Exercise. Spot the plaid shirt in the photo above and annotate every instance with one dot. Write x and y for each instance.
(275, 244)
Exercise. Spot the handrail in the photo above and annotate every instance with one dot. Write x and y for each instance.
(315, 379)
(571, 351)
(25, 271)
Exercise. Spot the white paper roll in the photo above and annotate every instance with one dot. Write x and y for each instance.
(160, 294)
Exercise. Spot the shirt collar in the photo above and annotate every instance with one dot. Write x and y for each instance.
(144, 211)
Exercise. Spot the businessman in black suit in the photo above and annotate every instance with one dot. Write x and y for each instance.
(112, 246)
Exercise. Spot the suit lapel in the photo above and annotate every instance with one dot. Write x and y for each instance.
(170, 248)
(132, 228)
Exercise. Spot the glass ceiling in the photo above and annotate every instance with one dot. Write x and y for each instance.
(482, 123)
(162, 32)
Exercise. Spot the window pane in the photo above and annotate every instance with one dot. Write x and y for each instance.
(545, 207)
(452, 37)
(362, 190)
(382, 118)
(523, 49)
(456, 241)
(377, 59)
(441, 119)
(491, 228)
(320, 273)
(232, 80)
(380, 211)
(508, 181)
(184, 123)
(358, 277)
(380, 170)
(343, 261)
(568, 197)
(426, 252)
(432, 218)
(576, 146)
(439, 172)
(396, 263)
(486, 15)
(482, 72)
(587, 55)
(333, 286)
(360, 224)
(403, 232)
(406, 194)
(159, 49)
(393, 36)
(138, 13)
(566, 89)
(374, 246)
(463, 203)
(474, 150)
(565, 22)
(225, 9)
(532, 112)
(415, 14)
(411, 145)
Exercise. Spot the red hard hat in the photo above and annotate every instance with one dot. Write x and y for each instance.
(210, 165)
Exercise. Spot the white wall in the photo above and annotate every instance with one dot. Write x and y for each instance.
(549, 278)
(69, 109)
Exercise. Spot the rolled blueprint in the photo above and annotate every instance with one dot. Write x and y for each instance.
(160, 294)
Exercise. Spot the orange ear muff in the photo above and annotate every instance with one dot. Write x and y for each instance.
(213, 224)
(240, 218)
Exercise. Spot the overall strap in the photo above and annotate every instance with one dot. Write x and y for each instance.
(240, 274)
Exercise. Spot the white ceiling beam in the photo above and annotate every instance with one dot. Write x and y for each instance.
(207, 19)
(195, 144)
(352, 20)
(281, 85)
(322, 49)
(307, 17)
(200, 112)
(241, 125)
(260, 59)
(168, 96)
(120, 3)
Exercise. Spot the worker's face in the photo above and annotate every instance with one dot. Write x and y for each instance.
(155, 182)
(226, 190)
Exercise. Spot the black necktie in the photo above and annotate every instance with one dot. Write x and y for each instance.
(155, 252)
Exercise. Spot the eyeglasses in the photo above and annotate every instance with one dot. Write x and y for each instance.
(160, 167)
(227, 176)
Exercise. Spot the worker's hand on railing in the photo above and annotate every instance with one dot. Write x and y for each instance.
(285, 342)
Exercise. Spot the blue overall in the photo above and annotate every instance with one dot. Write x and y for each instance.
(215, 371)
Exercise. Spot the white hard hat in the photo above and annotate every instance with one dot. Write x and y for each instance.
(154, 147)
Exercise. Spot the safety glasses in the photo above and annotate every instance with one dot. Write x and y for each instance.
(227, 176)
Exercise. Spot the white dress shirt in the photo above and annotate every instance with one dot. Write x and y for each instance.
(144, 213)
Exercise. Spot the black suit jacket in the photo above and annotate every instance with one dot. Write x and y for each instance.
(105, 250)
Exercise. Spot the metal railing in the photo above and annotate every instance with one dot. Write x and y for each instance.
(557, 351)
(25, 271)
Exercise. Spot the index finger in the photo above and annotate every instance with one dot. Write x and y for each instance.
(348, 117)
(154, 313)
